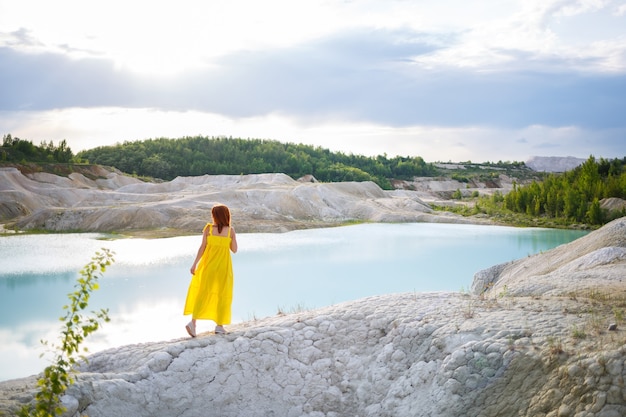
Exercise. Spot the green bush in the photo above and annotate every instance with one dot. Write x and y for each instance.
(58, 376)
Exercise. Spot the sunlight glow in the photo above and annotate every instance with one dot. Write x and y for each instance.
(164, 38)
(433, 143)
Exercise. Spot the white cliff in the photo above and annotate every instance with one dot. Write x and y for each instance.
(553, 163)
(587, 264)
(259, 203)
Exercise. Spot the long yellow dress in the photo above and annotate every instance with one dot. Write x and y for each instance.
(210, 293)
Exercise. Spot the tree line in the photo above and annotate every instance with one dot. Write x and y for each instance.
(18, 150)
(166, 159)
(574, 195)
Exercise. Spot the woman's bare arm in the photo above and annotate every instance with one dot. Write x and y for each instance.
(233, 240)
(200, 251)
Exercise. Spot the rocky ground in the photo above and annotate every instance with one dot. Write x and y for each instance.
(531, 339)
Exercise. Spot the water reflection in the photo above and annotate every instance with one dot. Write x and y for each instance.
(145, 288)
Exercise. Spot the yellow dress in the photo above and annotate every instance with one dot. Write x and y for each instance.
(210, 293)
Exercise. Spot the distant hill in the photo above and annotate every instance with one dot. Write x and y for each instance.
(554, 163)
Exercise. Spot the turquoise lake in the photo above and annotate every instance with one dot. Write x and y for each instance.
(145, 288)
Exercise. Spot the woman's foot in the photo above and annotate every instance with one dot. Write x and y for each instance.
(220, 330)
(191, 329)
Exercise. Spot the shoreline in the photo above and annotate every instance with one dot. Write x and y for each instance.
(248, 227)
(537, 336)
(288, 275)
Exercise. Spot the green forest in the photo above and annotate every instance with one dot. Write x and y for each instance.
(573, 195)
(21, 151)
(565, 198)
(191, 156)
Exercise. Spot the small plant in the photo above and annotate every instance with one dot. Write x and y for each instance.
(298, 308)
(504, 292)
(483, 294)
(578, 333)
(596, 321)
(511, 343)
(598, 296)
(506, 295)
(555, 346)
(469, 311)
(57, 377)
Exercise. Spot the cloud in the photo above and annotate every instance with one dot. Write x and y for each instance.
(357, 75)
(368, 72)
(21, 38)
(381, 85)
(42, 81)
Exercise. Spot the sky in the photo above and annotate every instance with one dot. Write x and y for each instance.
(447, 80)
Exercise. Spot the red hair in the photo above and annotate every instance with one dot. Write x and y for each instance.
(221, 216)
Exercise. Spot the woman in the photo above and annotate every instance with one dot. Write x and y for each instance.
(210, 292)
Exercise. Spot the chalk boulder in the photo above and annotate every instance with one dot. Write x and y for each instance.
(595, 262)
